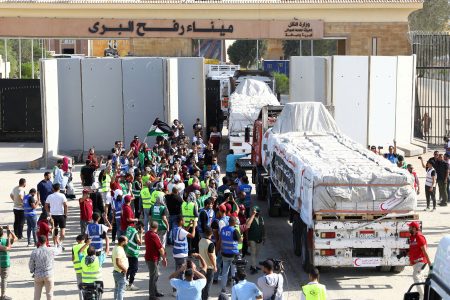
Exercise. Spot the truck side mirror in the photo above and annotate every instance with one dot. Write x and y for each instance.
(247, 134)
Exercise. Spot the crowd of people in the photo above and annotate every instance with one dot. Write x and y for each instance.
(167, 198)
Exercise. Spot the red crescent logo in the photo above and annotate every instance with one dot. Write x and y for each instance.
(355, 262)
(382, 206)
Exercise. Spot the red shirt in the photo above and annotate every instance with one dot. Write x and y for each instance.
(43, 229)
(94, 161)
(416, 242)
(86, 210)
(152, 246)
(127, 213)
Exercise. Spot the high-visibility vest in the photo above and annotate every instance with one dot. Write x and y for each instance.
(28, 210)
(240, 244)
(136, 192)
(76, 259)
(155, 195)
(92, 272)
(203, 184)
(157, 215)
(118, 210)
(180, 246)
(229, 245)
(106, 183)
(314, 292)
(429, 178)
(211, 216)
(187, 210)
(146, 197)
(96, 236)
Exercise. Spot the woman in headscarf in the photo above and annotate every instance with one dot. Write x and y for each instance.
(160, 214)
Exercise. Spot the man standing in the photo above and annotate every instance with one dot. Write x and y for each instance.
(314, 290)
(56, 207)
(418, 254)
(207, 250)
(173, 202)
(245, 290)
(146, 197)
(120, 263)
(392, 155)
(229, 246)
(41, 265)
(5, 247)
(231, 162)
(441, 168)
(17, 195)
(188, 289)
(247, 189)
(189, 210)
(256, 237)
(154, 252)
(29, 208)
(76, 259)
(86, 210)
(58, 174)
(134, 236)
(87, 174)
(136, 190)
(180, 242)
(160, 213)
(98, 232)
(127, 218)
(416, 178)
(430, 186)
(271, 284)
(44, 188)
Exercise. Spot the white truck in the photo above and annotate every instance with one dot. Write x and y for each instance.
(245, 105)
(348, 206)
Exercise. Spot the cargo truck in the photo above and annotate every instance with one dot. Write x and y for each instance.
(348, 207)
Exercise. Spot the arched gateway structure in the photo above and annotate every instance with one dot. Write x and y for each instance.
(159, 27)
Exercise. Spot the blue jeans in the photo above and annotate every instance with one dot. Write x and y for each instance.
(147, 212)
(219, 266)
(31, 227)
(119, 289)
(227, 264)
(172, 223)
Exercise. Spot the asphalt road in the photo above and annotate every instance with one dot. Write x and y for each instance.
(342, 283)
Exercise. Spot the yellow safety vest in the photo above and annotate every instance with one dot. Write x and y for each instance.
(154, 195)
(106, 183)
(314, 291)
(238, 228)
(91, 273)
(187, 210)
(76, 259)
(146, 198)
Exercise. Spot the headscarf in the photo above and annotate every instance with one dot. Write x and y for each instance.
(191, 197)
(160, 200)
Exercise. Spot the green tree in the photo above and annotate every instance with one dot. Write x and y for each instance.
(433, 17)
(27, 70)
(243, 52)
(13, 56)
(281, 83)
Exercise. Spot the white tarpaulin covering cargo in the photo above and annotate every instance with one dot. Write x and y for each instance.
(246, 103)
(316, 168)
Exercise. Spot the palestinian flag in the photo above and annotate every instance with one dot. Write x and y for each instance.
(159, 128)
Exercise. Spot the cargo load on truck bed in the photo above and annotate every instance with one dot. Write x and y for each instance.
(246, 103)
(318, 169)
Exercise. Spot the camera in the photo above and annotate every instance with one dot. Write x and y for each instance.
(278, 266)
(240, 264)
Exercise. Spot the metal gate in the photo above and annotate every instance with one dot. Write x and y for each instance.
(432, 99)
(20, 110)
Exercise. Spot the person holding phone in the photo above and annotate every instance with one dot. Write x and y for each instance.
(5, 247)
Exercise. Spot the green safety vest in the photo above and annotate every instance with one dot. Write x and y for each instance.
(187, 210)
(190, 181)
(76, 259)
(146, 197)
(157, 215)
(4, 255)
(154, 195)
(136, 192)
(237, 227)
(145, 179)
(203, 184)
(201, 200)
(106, 183)
(91, 273)
(132, 248)
(124, 188)
(314, 291)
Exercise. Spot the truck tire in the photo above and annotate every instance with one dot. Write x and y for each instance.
(383, 269)
(296, 232)
(273, 211)
(397, 269)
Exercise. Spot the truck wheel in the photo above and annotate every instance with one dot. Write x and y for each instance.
(296, 235)
(274, 211)
(383, 268)
(397, 269)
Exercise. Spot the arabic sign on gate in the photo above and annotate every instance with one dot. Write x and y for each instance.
(116, 28)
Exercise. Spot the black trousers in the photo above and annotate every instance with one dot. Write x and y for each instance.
(19, 221)
(430, 195)
(133, 267)
(209, 279)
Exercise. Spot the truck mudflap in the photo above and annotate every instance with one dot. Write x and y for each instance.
(361, 243)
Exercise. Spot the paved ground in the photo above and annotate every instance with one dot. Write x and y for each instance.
(341, 283)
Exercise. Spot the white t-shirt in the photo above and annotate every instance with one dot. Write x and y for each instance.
(182, 235)
(56, 202)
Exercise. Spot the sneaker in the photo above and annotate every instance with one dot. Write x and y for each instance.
(174, 294)
(427, 209)
(442, 204)
(132, 287)
(30, 244)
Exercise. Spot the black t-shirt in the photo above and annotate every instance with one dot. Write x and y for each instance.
(208, 156)
(174, 203)
(441, 168)
(88, 175)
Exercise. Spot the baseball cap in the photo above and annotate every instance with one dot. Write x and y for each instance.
(414, 224)
(136, 137)
(176, 178)
(227, 191)
(222, 208)
(117, 193)
(228, 206)
(127, 198)
(267, 264)
(256, 207)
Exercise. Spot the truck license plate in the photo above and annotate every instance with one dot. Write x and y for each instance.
(367, 234)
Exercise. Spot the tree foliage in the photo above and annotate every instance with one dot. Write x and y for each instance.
(243, 52)
(433, 17)
(13, 56)
(281, 83)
